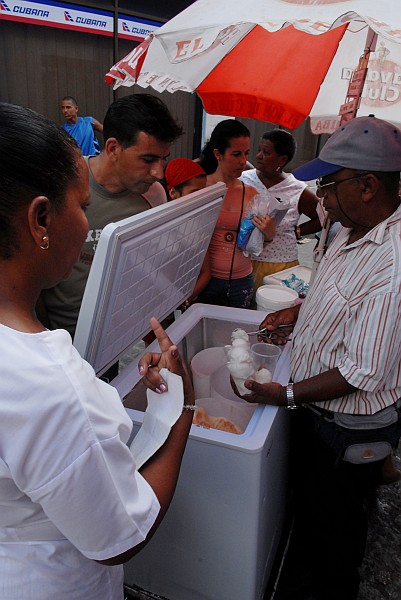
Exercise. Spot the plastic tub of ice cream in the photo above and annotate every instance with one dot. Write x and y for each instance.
(233, 417)
(270, 298)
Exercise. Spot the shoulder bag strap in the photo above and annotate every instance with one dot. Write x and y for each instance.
(235, 241)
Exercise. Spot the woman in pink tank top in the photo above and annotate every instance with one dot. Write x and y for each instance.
(224, 158)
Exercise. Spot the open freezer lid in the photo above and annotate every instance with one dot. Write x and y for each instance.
(144, 266)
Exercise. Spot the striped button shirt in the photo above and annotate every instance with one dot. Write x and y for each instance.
(351, 319)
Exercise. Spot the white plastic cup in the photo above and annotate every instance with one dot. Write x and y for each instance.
(265, 356)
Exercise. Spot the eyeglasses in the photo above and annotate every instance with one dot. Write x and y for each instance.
(322, 189)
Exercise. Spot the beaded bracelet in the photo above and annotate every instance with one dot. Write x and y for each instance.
(190, 407)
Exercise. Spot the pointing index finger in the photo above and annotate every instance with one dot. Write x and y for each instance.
(161, 335)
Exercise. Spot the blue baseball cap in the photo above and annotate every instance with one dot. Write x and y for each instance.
(364, 143)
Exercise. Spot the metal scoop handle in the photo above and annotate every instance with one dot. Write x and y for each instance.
(272, 335)
(264, 333)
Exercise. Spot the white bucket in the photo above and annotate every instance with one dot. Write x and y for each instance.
(203, 365)
(270, 298)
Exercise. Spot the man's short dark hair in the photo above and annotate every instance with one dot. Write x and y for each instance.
(129, 115)
(71, 98)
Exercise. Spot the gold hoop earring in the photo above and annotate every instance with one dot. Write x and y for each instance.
(45, 243)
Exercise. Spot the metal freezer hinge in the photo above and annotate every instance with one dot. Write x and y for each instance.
(136, 593)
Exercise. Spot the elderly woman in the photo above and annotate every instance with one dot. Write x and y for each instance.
(276, 149)
(73, 505)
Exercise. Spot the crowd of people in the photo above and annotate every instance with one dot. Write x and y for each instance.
(121, 188)
(64, 432)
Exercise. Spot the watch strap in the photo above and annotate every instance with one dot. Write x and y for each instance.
(289, 392)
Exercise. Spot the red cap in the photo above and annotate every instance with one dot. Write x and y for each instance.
(180, 170)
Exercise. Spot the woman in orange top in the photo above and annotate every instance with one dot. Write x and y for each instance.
(224, 158)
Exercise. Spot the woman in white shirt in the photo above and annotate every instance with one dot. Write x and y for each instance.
(73, 506)
(276, 149)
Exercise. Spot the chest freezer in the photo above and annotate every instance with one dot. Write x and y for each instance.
(144, 266)
(219, 538)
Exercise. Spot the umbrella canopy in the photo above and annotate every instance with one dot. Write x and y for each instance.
(260, 59)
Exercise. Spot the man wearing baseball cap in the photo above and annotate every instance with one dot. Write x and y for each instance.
(345, 362)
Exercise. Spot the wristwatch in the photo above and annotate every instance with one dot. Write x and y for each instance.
(289, 392)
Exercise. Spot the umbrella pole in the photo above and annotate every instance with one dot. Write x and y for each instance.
(115, 40)
(320, 249)
(349, 109)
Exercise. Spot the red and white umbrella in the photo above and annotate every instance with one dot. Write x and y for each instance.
(268, 59)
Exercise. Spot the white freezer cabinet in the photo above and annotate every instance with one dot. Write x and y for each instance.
(219, 538)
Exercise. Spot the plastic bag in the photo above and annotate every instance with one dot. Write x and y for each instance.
(244, 232)
(261, 204)
(255, 243)
(258, 206)
(297, 284)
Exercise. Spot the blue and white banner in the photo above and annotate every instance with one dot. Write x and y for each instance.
(71, 16)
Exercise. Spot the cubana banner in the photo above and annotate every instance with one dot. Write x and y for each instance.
(77, 18)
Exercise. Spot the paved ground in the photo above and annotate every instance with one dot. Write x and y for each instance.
(381, 570)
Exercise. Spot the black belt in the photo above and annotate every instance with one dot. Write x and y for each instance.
(327, 414)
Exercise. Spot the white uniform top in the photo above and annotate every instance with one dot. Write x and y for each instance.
(69, 491)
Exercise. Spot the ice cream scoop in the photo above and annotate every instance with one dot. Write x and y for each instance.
(240, 369)
(239, 342)
(239, 334)
(240, 362)
(262, 376)
(239, 354)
